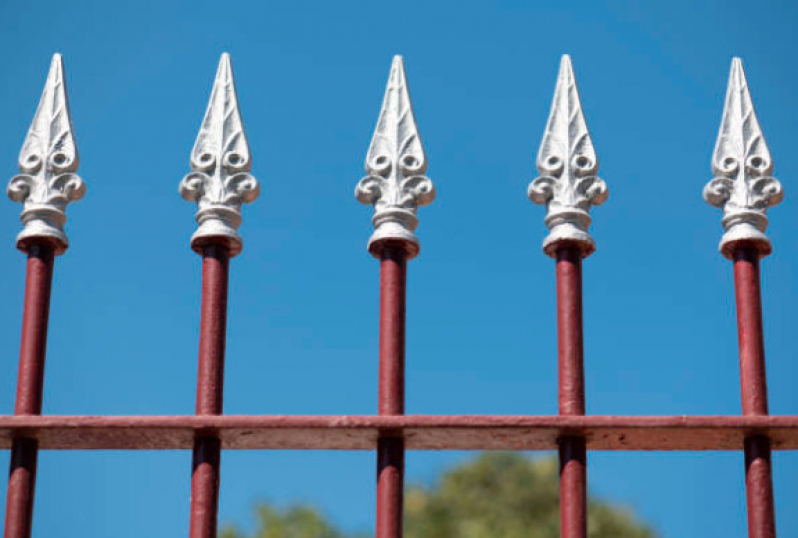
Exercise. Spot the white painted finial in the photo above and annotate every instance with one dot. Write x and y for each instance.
(567, 165)
(395, 185)
(48, 162)
(220, 162)
(743, 187)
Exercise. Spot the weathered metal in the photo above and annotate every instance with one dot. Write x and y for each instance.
(420, 432)
(30, 386)
(753, 382)
(219, 183)
(48, 182)
(395, 184)
(213, 329)
(390, 449)
(568, 186)
(744, 189)
(396, 187)
(571, 394)
(205, 470)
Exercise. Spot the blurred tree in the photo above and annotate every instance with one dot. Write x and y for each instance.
(496, 495)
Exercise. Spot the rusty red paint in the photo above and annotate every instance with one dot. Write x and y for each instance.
(213, 329)
(393, 271)
(749, 332)
(573, 493)
(753, 383)
(759, 487)
(390, 486)
(571, 394)
(420, 432)
(390, 450)
(30, 385)
(205, 487)
(210, 382)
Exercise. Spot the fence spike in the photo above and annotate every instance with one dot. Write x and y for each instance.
(567, 165)
(395, 165)
(48, 162)
(741, 162)
(220, 162)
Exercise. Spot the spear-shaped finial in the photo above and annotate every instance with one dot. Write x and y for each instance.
(567, 165)
(48, 162)
(395, 165)
(743, 186)
(220, 162)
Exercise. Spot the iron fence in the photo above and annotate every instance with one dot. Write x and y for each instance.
(395, 185)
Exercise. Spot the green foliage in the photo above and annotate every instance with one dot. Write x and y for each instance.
(496, 495)
(505, 495)
(296, 521)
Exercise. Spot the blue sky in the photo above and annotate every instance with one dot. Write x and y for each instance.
(660, 331)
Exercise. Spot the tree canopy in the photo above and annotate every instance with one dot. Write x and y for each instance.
(496, 495)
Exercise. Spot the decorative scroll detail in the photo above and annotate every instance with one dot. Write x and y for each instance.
(743, 186)
(567, 165)
(48, 162)
(220, 162)
(395, 185)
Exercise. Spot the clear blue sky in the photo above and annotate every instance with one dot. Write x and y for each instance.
(660, 328)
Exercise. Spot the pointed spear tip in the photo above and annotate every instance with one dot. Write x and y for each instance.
(566, 68)
(225, 66)
(225, 71)
(56, 66)
(398, 66)
(737, 73)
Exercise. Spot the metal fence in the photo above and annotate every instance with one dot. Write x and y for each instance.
(395, 185)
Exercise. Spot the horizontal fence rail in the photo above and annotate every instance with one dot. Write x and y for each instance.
(395, 186)
(419, 432)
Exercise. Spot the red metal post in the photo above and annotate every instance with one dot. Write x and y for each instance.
(30, 384)
(572, 451)
(210, 378)
(758, 470)
(390, 450)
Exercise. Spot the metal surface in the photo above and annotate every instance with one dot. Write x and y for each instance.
(48, 162)
(210, 382)
(395, 165)
(743, 186)
(420, 432)
(220, 182)
(758, 467)
(567, 164)
(390, 449)
(571, 394)
(30, 384)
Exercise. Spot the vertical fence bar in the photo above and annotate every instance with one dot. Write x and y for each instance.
(30, 384)
(219, 183)
(390, 450)
(744, 189)
(572, 452)
(48, 182)
(396, 187)
(568, 186)
(210, 380)
(758, 469)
